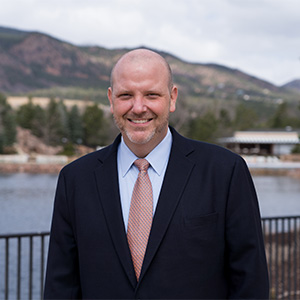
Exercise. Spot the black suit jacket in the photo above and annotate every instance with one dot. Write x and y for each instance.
(205, 242)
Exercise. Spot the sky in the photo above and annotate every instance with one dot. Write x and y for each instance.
(259, 37)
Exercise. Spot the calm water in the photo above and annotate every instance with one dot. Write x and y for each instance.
(26, 201)
(278, 195)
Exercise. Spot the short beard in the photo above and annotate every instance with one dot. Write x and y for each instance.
(149, 137)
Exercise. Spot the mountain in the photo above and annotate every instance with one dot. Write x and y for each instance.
(36, 63)
(293, 85)
(32, 60)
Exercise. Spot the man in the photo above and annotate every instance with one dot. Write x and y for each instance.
(204, 239)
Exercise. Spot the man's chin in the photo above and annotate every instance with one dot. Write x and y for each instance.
(139, 138)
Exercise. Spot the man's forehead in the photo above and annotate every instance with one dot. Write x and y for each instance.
(125, 82)
(140, 71)
(138, 63)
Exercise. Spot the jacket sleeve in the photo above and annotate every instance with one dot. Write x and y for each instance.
(247, 266)
(62, 275)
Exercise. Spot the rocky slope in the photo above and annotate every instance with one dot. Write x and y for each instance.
(32, 61)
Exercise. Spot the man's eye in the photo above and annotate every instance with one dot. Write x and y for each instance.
(152, 95)
(124, 96)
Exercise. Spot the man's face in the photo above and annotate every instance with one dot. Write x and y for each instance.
(141, 102)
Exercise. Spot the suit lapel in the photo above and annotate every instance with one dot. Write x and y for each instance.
(172, 189)
(176, 177)
(108, 188)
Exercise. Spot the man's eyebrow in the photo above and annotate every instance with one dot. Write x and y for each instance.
(122, 92)
(152, 92)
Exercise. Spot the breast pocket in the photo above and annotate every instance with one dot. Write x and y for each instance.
(204, 243)
(201, 227)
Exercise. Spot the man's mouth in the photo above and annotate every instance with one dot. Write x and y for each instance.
(141, 121)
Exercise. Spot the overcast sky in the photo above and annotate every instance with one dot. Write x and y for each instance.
(259, 37)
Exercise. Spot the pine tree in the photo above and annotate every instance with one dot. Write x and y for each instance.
(75, 129)
(26, 115)
(94, 126)
(204, 128)
(55, 126)
(245, 117)
(8, 126)
(280, 118)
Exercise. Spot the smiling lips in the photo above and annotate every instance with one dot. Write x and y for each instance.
(140, 121)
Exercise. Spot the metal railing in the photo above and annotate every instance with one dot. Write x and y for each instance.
(282, 244)
(22, 265)
(23, 259)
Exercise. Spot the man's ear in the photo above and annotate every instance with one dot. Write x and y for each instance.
(109, 96)
(174, 94)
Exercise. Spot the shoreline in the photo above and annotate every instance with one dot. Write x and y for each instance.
(55, 168)
(31, 168)
(294, 173)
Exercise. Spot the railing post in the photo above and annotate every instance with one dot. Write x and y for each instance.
(6, 267)
(296, 249)
(42, 264)
(270, 251)
(276, 258)
(30, 268)
(19, 269)
(289, 269)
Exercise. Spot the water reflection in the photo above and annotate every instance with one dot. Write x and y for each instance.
(26, 200)
(278, 195)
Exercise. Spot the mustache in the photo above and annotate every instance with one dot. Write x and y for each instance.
(139, 116)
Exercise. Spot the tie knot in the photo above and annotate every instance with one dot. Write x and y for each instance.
(142, 164)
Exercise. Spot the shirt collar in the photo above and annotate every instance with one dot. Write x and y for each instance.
(157, 158)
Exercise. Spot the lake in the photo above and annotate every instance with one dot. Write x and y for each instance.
(26, 200)
(26, 203)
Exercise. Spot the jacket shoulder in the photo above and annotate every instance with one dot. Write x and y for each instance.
(200, 150)
(214, 150)
(207, 156)
(88, 162)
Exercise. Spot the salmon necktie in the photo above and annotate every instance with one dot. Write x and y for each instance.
(140, 216)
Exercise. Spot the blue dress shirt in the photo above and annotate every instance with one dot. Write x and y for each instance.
(128, 172)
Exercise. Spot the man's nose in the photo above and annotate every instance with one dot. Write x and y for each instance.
(138, 105)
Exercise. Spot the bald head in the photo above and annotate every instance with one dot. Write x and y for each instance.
(142, 56)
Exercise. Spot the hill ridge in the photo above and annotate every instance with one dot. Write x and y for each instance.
(31, 61)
